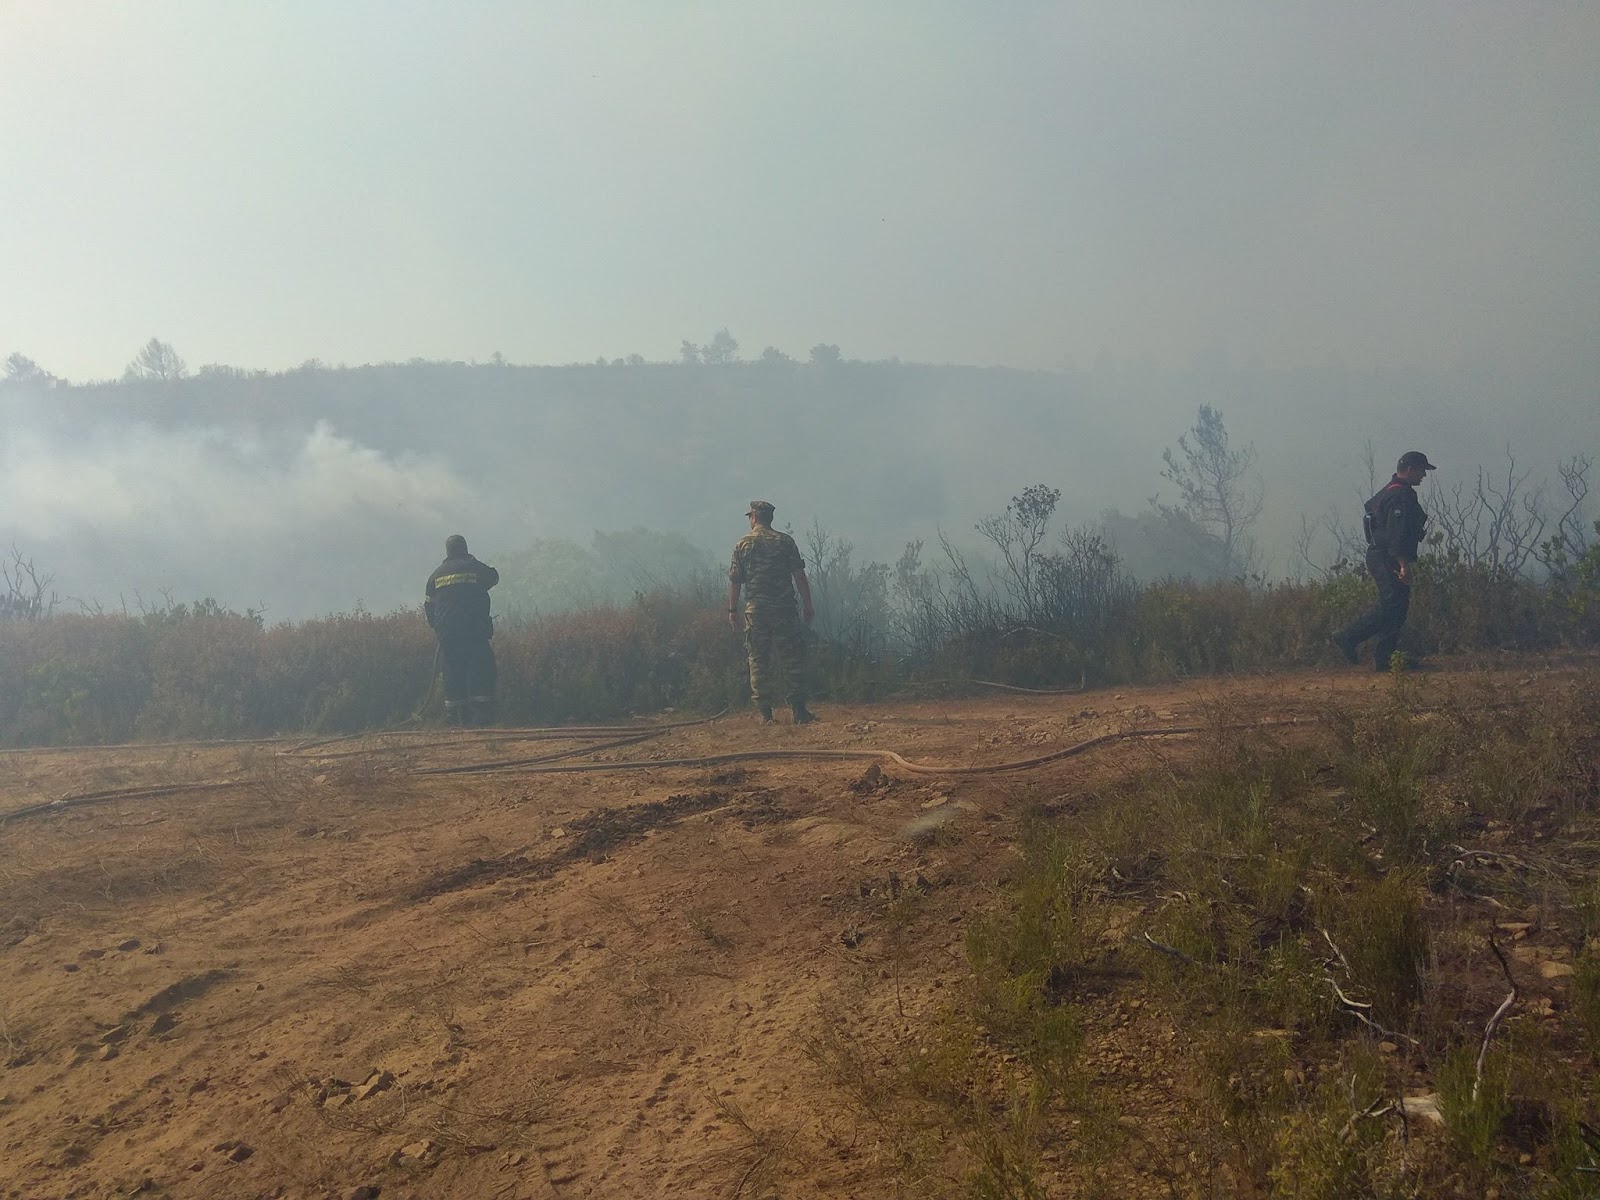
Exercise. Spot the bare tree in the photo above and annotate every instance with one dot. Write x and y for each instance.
(157, 361)
(852, 602)
(1017, 533)
(1496, 523)
(1219, 487)
(1570, 537)
(27, 595)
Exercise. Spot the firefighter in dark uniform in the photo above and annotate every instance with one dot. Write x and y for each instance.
(1394, 524)
(457, 608)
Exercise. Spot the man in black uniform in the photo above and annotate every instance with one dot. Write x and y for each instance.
(1394, 523)
(457, 608)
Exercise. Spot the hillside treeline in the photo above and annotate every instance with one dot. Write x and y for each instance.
(306, 491)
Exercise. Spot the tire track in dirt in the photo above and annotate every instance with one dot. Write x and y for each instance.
(597, 833)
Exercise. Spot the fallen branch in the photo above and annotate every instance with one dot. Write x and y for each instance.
(1343, 961)
(1169, 951)
(1378, 1108)
(1494, 1021)
(1355, 1009)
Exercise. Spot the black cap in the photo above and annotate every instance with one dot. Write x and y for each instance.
(1416, 458)
(455, 546)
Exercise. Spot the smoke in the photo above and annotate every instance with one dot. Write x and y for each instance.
(293, 526)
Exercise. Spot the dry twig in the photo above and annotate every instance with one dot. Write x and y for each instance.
(1169, 951)
(1494, 1021)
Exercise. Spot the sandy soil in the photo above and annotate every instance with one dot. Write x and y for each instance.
(337, 976)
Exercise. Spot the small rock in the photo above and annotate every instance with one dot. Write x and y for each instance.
(367, 1191)
(1425, 1106)
(197, 1165)
(91, 955)
(234, 1150)
(418, 1154)
(108, 1052)
(1555, 970)
(378, 1081)
(118, 1034)
(1387, 1048)
(165, 1023)
(69, 967)
(130, 944)
(514, 1159)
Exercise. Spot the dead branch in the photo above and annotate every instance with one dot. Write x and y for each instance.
(1494, 1021)
(1358, 1010)
(1343, 961)
(1169, 951)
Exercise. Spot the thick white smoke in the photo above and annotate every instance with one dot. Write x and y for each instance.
(299, 528)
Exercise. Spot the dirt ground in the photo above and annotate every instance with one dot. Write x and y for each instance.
(335, 976)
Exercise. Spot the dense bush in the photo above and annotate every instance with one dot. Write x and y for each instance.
(203, 671)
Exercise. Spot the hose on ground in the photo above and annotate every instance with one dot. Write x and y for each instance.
(548, 764)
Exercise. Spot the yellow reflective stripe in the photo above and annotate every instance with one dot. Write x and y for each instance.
(461, 577)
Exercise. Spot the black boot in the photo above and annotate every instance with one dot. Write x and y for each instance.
(802, 714)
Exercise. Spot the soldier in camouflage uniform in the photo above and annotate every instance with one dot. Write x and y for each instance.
(768, 566)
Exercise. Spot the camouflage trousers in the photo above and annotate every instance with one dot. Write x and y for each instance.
(776, 645)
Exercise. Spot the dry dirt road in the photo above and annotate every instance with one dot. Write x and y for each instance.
(334, 975)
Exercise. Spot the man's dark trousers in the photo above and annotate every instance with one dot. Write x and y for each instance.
(1384, 620)
(469, 678)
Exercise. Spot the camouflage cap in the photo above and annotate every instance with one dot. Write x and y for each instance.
(759, 508)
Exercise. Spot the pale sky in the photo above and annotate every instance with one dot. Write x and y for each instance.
(259, 183)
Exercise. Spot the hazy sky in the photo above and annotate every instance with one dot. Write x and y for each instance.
(1377, 184)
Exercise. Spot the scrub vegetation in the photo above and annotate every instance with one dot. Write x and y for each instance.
(1362, 964)
(1066, 617)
